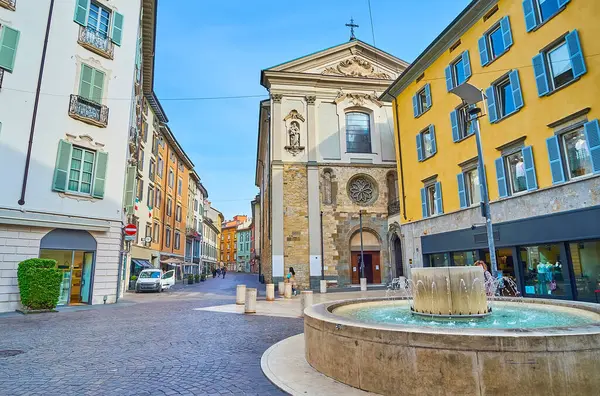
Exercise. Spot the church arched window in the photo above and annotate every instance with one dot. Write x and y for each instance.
(392, 186)
(358, 133)
(327, 187)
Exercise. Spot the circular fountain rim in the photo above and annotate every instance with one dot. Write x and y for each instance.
(324, 312)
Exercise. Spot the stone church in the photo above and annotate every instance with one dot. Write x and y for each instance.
(325, 153)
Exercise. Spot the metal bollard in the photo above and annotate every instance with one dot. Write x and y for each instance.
(306, 300)
(240, 294)
(270, 292)
(250, 303)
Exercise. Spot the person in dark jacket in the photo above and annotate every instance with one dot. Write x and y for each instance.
(224, 272)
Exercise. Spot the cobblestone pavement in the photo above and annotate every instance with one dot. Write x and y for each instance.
(157, 346)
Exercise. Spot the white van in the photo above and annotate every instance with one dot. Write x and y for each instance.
(154, 280)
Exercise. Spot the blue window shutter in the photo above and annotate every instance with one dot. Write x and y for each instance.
(562, 3)
(529, 168)
(491, 104)
(62, 167)
(448, 73)
(423, 203)
(428, 95)
(419, 148)
(454, 123)
(438, 198)
(530, 18)
(592, 135)
(462, 195)
(433, 142)
(515, 85)
(556, 166)
(501, 177)
(81, 11)
(541, 75)
(576, 54)
(473, 126)
(9, 41)
(506, 33)
(415, 105)
(483, 50)
(117, 28)
(466, 64)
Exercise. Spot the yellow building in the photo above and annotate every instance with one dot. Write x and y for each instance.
(537, 62)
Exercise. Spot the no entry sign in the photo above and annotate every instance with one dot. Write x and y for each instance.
(130, 229)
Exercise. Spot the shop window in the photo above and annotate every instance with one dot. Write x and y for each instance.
(469, 189)
(545, 272)
(575, 153)
(422, 101)
(439, 260)
(458, 71)
(431, 200)
(585, 257)
(559, 65)
(463, 124)
(426, 144)
(539, 11)
(468, 258)
(515, 172)
(495, 42)
(504, 97)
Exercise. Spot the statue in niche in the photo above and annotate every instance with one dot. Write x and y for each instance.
(294, 146)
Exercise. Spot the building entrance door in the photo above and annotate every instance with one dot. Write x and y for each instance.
(397, 249)
(372, 267)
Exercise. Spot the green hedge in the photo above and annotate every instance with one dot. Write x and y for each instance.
(39, 283)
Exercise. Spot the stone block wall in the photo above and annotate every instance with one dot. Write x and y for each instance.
(295, 222)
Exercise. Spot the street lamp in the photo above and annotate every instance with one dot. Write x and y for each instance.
(471, 95)
(362, 257)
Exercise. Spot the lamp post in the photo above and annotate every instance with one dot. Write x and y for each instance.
(471, 95)
(322, 251)
(362, 257)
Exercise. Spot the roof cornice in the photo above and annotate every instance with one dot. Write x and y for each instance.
(463, 22)
(320, 80)
(149, 17)
(178, 149)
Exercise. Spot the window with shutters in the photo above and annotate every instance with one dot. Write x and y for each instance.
(156, 233)
(87, 105)
(559, 64)
(458, 71)
(515, 172)
(358, 133)
(577, 154)
(177, 242)
(178, 213)
(9, 41)
(426, 144)
(81, 171)
(538, 12)
(504, 97)
(431, 199)
(422, 101)
(495, 42)
(100, 28)
(463, 124)
(469, 188)
(167, 237)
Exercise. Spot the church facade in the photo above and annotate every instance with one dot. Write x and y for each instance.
(325, 162)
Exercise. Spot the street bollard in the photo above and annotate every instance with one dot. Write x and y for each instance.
(288, 290)
(270, 292)
(240, 294)
(323, 286)
(306, 300)
(363, 284)
(250, 303)
(281, 288)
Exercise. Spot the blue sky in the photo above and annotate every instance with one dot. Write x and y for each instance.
(218, 48)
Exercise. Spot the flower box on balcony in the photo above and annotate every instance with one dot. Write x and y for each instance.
(96, 42)
(90, 112)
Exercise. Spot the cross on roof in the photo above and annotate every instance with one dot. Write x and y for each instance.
(352, 25)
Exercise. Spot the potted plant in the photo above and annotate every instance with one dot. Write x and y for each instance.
(202, 278)
(196, 278)
(39, 284)
(132, 281)
(190, 279)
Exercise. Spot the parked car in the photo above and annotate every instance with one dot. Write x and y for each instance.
(154, 280)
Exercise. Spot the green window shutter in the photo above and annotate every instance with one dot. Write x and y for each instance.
(61, 170)
(117, 28)
(81, 11)
(97, 86)
(86, 80)
(100, 175)
(9, 41)
(130, 189)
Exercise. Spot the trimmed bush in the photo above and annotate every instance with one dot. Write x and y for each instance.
(190, 279)
(197, 278)
(39, 283)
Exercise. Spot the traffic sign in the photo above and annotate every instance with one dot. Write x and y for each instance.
(130, 229)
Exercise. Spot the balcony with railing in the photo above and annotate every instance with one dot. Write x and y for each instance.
(88, 111)
(9, 4)
(97, 42)
(394, 208)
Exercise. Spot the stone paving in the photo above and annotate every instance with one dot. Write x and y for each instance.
(152, 345)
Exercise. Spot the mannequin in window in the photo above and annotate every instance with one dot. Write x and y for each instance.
(542, 278)
(520, 174)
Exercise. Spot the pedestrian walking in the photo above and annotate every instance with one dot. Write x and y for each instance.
(214, 272)
(224, 272)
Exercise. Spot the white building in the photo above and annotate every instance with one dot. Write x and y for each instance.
(193, 240)
(210, 236)
(63, 152)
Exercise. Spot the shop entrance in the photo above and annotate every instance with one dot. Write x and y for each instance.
(74, 252)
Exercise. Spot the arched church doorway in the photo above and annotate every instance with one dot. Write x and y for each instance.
(397, 255)
(371, 254)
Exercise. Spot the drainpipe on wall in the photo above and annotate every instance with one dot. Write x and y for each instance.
(397, 122)
(21, 201)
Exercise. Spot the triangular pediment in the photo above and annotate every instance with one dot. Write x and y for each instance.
(351, 59)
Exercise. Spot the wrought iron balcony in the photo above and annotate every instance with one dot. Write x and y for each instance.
(96, 42)
(393, 208)
(88, 111)
(9, 4)
(1, 75)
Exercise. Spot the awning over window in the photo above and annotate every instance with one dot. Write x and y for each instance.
(143, 264)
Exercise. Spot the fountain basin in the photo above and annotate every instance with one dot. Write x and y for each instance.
(417, 359)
